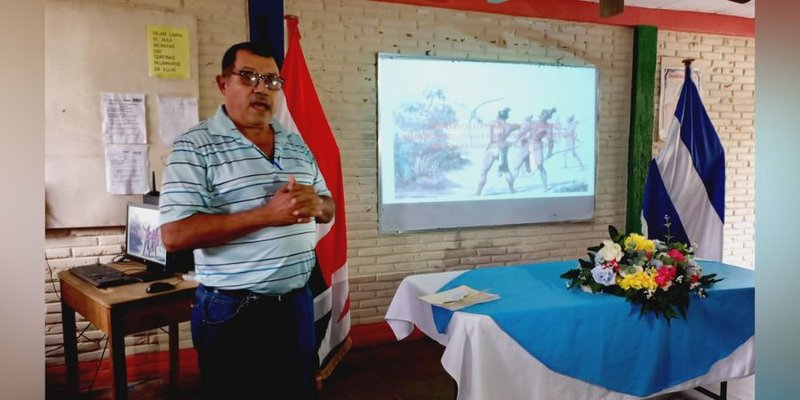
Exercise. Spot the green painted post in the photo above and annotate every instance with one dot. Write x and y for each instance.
(640, 142)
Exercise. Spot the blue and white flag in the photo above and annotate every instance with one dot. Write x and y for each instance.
(686, 180)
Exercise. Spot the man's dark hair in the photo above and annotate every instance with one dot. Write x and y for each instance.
(259, 49)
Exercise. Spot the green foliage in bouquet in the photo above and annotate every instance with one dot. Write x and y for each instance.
(658, 276)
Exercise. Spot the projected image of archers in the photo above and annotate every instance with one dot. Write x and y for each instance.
(471, 131)
(526, 150)
(431, 159)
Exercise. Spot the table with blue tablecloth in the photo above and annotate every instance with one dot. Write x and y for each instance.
(542, 341)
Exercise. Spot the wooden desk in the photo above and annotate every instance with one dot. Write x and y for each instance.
(120, 311)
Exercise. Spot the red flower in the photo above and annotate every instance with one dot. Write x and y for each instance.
(676, 255)
(648, 254)
(694, 278)
(664, 276)
(613, 264)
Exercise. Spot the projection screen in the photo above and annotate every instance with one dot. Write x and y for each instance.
(467, 143)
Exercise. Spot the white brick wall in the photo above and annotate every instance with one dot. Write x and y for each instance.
(340, 39)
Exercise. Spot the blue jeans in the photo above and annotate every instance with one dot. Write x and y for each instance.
(253, 346)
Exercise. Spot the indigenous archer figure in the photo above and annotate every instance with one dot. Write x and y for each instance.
(536, 132)
(523, 141)
(499, 132)
(571, 136)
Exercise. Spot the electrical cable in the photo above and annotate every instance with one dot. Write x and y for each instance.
(99, 363)
(52, 281)
(80, 334)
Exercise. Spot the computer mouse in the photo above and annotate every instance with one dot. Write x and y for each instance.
(159, 286)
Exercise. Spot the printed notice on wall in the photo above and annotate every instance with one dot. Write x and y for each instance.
(126, 169)
(671, 85)
(123, 118)
(175, 116)
(168, 52)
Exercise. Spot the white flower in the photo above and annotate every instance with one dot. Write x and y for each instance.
(610, 251)
(604, 276)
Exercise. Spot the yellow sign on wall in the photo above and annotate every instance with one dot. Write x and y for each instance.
(168, 52)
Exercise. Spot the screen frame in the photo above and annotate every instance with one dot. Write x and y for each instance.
(399, 217)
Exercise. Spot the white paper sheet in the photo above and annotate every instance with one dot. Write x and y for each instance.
(175, 116)
(459, 297)
(124, 118)
(126, 169)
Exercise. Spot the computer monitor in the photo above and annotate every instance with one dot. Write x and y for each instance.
(143, 244)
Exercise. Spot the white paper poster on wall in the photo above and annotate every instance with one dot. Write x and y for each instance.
(175, 116)
(126, 169)
(124, 118)
(671, 84)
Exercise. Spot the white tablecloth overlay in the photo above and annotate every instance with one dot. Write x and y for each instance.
(486, 363)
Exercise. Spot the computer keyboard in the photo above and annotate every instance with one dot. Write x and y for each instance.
(102, 276)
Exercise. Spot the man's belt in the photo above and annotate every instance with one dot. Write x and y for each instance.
(249, 294)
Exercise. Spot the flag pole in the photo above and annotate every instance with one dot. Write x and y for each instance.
(691, 161)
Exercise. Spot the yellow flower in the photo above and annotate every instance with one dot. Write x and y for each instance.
(639, 243)
(638, 281)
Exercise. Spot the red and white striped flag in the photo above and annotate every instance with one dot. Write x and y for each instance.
(302, 112)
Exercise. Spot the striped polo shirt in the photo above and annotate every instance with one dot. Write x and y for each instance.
(214, 169)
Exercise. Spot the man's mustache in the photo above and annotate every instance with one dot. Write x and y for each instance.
(262, 100)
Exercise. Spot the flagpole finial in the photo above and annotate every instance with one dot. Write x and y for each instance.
(292, 23)
(688, 61)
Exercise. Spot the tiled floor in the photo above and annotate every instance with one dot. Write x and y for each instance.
(408, 370)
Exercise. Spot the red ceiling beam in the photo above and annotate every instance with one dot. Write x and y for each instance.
(582, 11)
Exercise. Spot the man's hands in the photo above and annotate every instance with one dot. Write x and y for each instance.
(295, 203)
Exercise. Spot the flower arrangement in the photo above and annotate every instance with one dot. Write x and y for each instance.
(658, 276)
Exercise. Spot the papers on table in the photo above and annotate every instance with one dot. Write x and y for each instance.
(459, 297)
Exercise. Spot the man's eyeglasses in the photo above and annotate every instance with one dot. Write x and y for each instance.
(251, 78)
